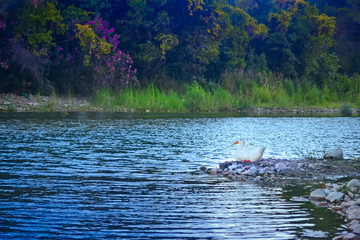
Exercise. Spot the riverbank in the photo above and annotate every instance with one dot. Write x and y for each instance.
(31, 103)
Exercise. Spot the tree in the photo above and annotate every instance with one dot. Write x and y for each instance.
(110, 66)
(306, 38)
(38, 24)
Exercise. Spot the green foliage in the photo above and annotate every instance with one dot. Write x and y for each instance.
(168, 41)
(260, 96)
(38, 25)
(244, 53)
(93, 45)
(52, 104)
(292, 10)
(289, 87)
(196, 98)
(73, 14)
(223, 100)
(150, 98)
(100, 7)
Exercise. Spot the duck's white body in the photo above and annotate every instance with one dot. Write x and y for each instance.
(251, 154)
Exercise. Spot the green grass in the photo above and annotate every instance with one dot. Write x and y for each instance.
(238, 93)
(150, 98)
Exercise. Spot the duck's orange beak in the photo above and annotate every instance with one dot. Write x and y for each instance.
(236, 142)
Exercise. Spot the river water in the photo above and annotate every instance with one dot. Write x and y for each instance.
(124, 176)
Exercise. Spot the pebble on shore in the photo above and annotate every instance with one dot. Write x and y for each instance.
(270, 169)
(343, 199)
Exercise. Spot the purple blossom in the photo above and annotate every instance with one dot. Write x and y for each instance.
(115, 68)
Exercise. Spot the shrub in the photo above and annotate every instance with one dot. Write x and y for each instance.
(223, 100)
(195, 97)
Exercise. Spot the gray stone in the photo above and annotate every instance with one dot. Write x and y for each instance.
(357, 229)
(281, 167)
(301, 167)
(254, 170)
(336, 208)
(348, 204)
(353, 223)
(335, 154)
(355, 226)
(340, 237)
(353, 213)
(353, 185)
(349, 236)
(233, 166)
(335, 197)
(299, 199)
(335, 187)
(318, 194)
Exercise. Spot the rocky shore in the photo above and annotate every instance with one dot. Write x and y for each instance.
(280, 169)
(31, 103)
(341, 198)
(304, 111)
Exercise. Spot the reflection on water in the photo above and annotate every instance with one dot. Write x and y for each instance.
(134, 176)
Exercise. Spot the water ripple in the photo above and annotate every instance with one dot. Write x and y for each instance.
(116, 176)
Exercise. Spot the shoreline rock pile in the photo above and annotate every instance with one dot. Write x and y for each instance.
(343, 199)
(272, 169)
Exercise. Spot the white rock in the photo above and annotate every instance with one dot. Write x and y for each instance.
(335, 197)
(335, 154)
(349, 236)
(355, 226)
(348, 204)
(353, 185)
(352, 223)
(318, 194)
(353, 213)
(281, 167)
(299, 199)
(253, 169)
(233, 166)
(357, 229)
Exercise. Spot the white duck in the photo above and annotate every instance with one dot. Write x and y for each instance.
(251, 154)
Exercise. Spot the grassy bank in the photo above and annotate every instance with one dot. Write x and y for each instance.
(235, 91)
(195, 98)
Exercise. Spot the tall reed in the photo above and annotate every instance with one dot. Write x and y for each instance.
(236, 91)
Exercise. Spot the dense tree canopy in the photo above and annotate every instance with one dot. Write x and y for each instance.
(85, 45)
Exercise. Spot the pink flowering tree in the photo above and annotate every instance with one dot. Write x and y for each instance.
(111, 67)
